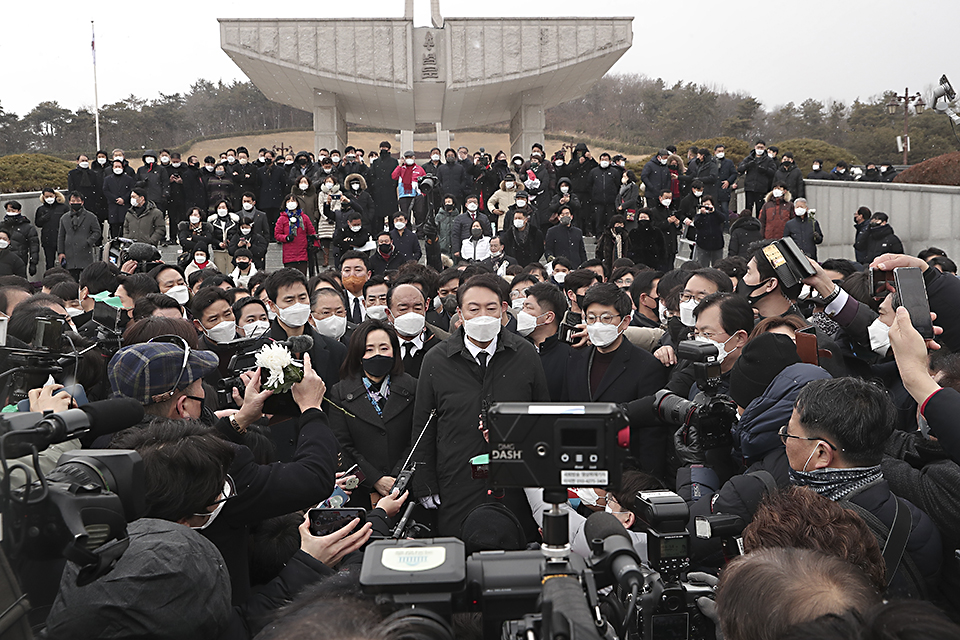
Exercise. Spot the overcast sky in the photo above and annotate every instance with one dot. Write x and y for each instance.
(776, 51)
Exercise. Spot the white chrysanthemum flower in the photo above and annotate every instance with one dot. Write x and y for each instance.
(274, 357)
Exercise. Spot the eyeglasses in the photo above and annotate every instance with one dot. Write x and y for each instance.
(784, 435)
(687, 297)
(180, 342)
(706, 334)
(606, 318)
(229, 491)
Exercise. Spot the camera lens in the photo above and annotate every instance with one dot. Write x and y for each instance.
(675, 410)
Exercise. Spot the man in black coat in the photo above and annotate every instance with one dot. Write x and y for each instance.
(479, 364)
(546, 304)
(453, 177)
(273, 187)
(818, 173)
(727, 175)
(878, 238)
(153, 177)
(406, 309)
(525, 242)
(383, 187)
(578, 170)
(287, 291)
(87, 181)
(604, 184)
(707, 171)
(789, 174)
(24, 239)
(861, 223)
(656, 176)
(758, 169)
(47, 218)
(612, 369)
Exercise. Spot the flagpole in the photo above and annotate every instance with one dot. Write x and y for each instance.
(96, 99)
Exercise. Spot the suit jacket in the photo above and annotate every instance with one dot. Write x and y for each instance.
(431, 338)
(379, 444)
(633, 373)
(326, 355)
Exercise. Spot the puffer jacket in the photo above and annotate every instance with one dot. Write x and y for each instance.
(362, 202)
(774, 215)
(743, 233)
(24, 240)
(806, 233)
(502, 199)
(293, 237)
(47, 218)
(145, 224)
(153, 178)
(444, 220)
(604, 185)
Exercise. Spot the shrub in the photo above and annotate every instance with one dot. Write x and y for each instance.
(805, 151)
(32, 172)
(943, 169)
(735, 149)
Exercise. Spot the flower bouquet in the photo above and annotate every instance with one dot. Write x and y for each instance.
(283, 370)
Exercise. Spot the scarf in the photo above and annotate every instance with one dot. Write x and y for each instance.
(377, 397)
(836, 484)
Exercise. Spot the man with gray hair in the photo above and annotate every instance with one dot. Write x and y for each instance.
(804, 229)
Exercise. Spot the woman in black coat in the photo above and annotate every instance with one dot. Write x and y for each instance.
(375, 416)
(10, 262)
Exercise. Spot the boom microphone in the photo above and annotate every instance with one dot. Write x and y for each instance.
(613, 549)
(298, 344)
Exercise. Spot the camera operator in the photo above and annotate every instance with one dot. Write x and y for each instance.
(166, 379)
(131, 288)
(172, 582)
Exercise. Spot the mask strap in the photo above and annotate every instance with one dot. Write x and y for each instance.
(811, 457)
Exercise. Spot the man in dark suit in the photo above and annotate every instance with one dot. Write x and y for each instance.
(539, 322)
(612, 369)
(406, 309)
(288, 298)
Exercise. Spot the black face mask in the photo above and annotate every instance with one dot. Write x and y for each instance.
(385, 248)
(643, 225)
(243, 265)
(450, 304)
(377, 366)
(384, 153)
(76, 206)
(746, 290)
(476, 233)
(580, 299)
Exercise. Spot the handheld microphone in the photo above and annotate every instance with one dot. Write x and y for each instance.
(613, 550)
(298, 344)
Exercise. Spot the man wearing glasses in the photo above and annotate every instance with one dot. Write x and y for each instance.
(612, 369)
(834, 444)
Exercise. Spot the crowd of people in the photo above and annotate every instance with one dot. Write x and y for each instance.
(461, 283)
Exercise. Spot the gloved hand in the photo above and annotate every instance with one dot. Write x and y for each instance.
(430, 502)
(687, 443)
(707, 606)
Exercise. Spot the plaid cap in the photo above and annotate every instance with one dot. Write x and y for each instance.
(142, 371)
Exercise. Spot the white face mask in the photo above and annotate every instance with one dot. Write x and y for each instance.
(180, 293)
(134, 202)
(816, 167)
(604, 164)
(355, 229)
(508, 185)
(517, 303)
(230, 158)
(662, 160)
(73, 312)
(521, 204)
(49, 200)
(482, 328)
(164, 159)
(720, 155)
(213, 514)
(879, 337)
(800, 211)
(304, 187)
(519, 224)
(120, 158)
(223, 331)
(292, 206)
(248, 206)
(602, 335)
(409, 161)
(118, 170)
(559, 276)
(588, 497)
(101, 161)
(222, 213)
(332, 327)
(662, 313)
(559, 163)
(399, 225)
(409, 324)
(698, 193)
(200, 259)
(335, 159)
(149, 160)
(84, 165)
(256, 328)
(722, 352)
(666, 202)
(287, 163)
(771, 154)
(527, 322)
(194, 219)
(4, 244)
(296, 315)
(176, 165)
(686, 312)
(243, 161)
(471, 206)
(435, 157)
(355, 186)
(564, 189)
(777, 193)
(377, 312)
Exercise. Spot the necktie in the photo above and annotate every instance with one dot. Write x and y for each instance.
(482, 359)
(357, 318)
(408, 350)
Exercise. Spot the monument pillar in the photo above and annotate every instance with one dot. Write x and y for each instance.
(329, 122)
(443, 138)
(527, 122)
(406, 141)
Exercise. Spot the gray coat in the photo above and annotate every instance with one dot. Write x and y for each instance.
(78, 236)
(145, 225)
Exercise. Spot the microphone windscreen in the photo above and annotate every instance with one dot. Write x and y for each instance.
(115, 414)
(601, 525)
(300, 344)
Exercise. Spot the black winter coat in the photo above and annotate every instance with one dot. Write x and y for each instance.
(379, 444)
(709, 228)
(526, 251)
(633, 373)
(555, 358)
(450, 382)
(453, 180)
(565, 241)
(246, 177)
(189, 238)
(648, 246)
(156, 181)
(382, 186)
(194, 190)
(579, 173)
(117, 186)
(860, 241)
(727, 171)
(604, 185)
(819, 174)
(326, 355)
(11, 264)
(380, 265)
(743, 233)
(791, 176)
(24, 240)
(758, 172)
(707, 172)
(89, 183)
(607, 248)
(878, 240)
(461, 228)
(254, 242)
(273, 186)
(806, 233)
(656, 179)
(47, 218)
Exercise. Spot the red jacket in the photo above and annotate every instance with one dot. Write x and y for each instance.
(774, 215)
(407, 175)
(294, 250)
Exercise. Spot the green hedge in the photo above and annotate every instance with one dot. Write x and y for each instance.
(805, 151)
(32, 172)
